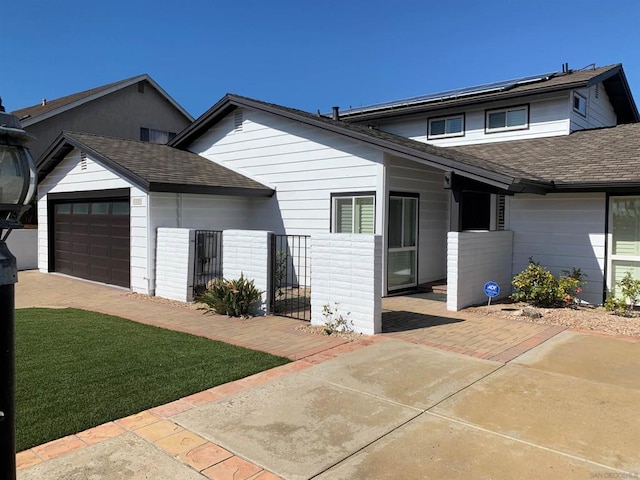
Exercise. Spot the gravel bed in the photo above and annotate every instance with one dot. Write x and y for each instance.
(167, 301)
(320, 330)
(581, 318)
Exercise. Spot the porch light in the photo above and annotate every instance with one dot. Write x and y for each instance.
(17, 173)
(17, 186)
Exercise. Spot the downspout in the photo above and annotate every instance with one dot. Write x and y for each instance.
(151, 280)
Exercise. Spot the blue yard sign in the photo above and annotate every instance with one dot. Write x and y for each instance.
(491, 289)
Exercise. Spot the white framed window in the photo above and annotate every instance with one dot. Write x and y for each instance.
(512, 118)
(444, 127)
(579, 104)
(353, 213)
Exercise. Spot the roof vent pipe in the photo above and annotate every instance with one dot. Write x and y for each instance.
(44, 102)
(336, 113)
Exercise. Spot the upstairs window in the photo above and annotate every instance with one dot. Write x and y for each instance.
(156, 136)
(579, 104)
(444, 127)
(353, 213)
(513, 118)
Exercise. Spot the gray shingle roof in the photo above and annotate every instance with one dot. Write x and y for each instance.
(155, 167)
(605, 156)
(593, 159)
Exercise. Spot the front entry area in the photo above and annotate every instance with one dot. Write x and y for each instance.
(91, 239)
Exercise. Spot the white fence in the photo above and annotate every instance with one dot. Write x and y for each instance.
(345, 270)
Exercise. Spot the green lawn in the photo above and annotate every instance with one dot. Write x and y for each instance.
(77, 369)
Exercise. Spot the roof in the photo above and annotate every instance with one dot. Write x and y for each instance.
(584, 160)
(36, 113)
(500, 176)
(612, 76)
(154, 167)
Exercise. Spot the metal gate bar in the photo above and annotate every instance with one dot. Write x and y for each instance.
(207, 259)
(291, 276)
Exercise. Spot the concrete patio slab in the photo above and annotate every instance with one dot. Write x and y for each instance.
(126, 456)
(432, 447)
(296, 427)
(610, 360)
(591, 420)
(405, 373)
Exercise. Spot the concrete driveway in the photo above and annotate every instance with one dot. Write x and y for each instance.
(569, 408)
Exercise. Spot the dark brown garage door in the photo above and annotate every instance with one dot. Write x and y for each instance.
(91, 240)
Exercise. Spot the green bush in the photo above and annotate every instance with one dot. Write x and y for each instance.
(630, 289)
(538, 286)
(232, 297)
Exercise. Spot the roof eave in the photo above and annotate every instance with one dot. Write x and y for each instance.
(604, 186)
(210, 190)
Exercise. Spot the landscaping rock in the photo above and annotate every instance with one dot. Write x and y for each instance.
(531, 312)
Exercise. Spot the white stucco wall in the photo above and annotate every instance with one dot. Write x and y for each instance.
(473, 259)
(347, 271)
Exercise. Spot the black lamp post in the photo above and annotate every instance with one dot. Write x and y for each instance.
(17, 186)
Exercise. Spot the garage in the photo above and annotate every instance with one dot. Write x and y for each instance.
(91, 238)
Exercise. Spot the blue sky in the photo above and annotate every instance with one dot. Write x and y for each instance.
(305, 54)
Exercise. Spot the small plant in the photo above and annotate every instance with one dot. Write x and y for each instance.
(538, 286)
(335, 322)
(231, 297)
(624, 306)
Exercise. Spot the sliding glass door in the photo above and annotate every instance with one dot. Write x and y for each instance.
(402, 242)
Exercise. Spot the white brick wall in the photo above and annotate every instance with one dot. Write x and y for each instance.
(248, 252)
(473, 259)
(347, 270)
(23, 244)
(174, 263)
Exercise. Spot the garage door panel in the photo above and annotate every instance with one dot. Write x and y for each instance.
(92, 240)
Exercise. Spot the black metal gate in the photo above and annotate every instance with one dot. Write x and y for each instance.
(207, 259)
(291, 276)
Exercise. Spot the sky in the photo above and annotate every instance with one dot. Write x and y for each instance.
(309, 55)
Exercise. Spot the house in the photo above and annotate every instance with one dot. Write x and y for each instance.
(136, 108)
(463, 185)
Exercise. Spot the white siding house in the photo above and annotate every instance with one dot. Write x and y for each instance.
(306, 164)
(545, 174)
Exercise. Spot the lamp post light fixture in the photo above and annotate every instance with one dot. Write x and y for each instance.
(17, 186)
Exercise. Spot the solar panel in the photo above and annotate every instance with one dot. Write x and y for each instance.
(453, 94)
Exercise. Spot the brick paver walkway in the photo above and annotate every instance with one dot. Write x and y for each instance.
(271, 334)
(418, 320)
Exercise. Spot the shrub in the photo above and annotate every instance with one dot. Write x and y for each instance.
(538, 286)
(335, 322)
(231, 297)
(630, 289)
